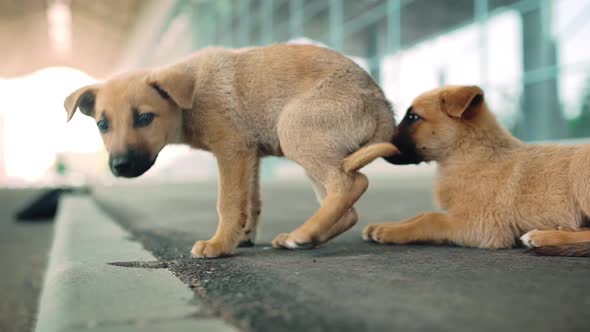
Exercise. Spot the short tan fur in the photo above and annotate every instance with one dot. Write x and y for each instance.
(306, 103)
(492, 188)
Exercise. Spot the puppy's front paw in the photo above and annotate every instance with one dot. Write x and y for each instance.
(371, 233)
(210, 249)
(367, 232)
(288, 241)
(384, 233)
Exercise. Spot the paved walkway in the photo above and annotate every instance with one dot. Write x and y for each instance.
(23, 255)
(99, 280)
(350, 285)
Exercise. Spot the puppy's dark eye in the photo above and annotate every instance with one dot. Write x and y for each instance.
(413, 117)
(143, 120)
(103, 126)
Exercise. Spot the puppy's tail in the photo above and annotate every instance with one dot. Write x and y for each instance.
(581, 249)
(367, 154)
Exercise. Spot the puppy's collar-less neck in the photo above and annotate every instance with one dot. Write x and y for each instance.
(485, 139)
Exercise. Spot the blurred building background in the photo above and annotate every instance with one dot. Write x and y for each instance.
(2, 170)
(532, 57)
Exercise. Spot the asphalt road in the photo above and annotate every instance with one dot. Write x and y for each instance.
(347, 284)
(23, 255)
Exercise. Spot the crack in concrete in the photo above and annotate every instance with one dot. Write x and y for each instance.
(141, 264)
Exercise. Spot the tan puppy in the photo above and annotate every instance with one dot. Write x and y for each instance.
(309, 104)
(492, 187)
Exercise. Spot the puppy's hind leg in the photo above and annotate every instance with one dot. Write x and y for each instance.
(342, 191)
(318, 131)
(558, 243)
(568, 240)
(351, 165)
(347, 221)
(541, 238)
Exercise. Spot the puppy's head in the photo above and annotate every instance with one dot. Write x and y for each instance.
(137, 114)
(433, 122)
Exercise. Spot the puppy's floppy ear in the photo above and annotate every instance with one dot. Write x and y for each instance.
(175, 83)
(83, 98)
(461, 101)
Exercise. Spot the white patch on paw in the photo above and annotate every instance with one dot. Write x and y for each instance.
(291, 244)
(366, 236)
(526, 239)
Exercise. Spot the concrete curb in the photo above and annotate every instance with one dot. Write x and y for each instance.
(82, 291)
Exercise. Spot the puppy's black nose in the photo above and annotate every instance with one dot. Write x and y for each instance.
(131, 164)
(121, 165)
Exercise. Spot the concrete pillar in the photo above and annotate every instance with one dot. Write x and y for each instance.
(267, 15)
(481, 17)
(296, 18)
(244, 38)
(394, 26)
(336, 24)
(542, 116)
(373, 53)
(580, 126)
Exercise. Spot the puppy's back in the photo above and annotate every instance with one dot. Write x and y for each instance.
(294, 69)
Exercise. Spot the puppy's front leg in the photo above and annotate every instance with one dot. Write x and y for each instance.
(426, 227)
(235, 173)
(254, 205)
(435, 227)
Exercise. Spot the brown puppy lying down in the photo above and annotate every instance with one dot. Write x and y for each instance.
(306, 103)
(492, 187)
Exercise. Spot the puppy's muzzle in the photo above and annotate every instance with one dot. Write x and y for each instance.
(409, 154)
(131, 164)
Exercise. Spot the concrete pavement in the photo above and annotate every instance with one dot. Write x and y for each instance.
(99, 279)
(348, 284)
(23, 256)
